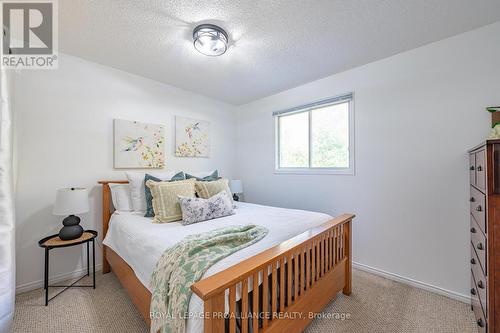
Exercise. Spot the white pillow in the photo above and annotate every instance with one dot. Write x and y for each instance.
(120, 196)
(137, 190)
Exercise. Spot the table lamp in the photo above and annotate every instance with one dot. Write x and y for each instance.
(236, 187)
(71, 201)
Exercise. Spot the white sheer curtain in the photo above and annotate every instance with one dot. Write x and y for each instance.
(7, 245)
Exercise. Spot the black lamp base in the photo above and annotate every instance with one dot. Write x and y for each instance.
(71, 229)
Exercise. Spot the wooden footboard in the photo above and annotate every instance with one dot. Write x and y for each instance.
(294, 280)
(307, 272)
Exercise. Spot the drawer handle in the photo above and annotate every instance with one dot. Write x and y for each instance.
(480, 246)
(473, 291)
(478, 208)
(473, 230)
(471, 168)
(480, 322)
(479, 168)
(473, 261)
(472, 199)
(480, 284)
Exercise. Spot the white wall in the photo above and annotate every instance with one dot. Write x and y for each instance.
(65, 138)
(416, 114)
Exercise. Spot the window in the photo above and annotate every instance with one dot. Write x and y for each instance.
(316, 138)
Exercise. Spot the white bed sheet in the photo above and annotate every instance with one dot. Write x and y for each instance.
(141, 243)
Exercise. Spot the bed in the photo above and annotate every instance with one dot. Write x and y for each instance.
(298, 268)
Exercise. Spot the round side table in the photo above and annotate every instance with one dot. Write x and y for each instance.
(54, 242)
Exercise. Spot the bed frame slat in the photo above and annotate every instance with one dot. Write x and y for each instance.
(255, 303)
(265, 297)
(244, 305)
(274, 288)
(282, 284)
(232, 309)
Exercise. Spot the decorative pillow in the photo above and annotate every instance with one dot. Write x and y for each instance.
(149, 198)
(199, 209)
(206, 189)
(204, 178)
(165, 202)
(120, 196)
(137, 191)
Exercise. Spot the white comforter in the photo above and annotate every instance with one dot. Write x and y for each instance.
(141, 243)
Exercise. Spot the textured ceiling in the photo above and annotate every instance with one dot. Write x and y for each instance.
(274, 44)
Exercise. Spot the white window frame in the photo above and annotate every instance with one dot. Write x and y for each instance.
(307, 108)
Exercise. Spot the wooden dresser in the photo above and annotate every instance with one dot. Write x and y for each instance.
(485, 234)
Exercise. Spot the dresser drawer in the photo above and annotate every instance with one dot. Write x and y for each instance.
(474, 260)
(476, 307)
(480, 167)
(479, 243)
(481, 284)
(472, 168)
(478, 207)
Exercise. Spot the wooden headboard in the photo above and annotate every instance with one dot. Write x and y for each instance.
(106, 215)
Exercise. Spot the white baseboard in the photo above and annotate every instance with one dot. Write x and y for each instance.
(54, 279)
(414, 283)
(391, 276)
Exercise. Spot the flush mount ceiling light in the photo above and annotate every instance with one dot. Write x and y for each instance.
(210, 40)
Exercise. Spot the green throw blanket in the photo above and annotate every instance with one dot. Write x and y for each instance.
(185, 263)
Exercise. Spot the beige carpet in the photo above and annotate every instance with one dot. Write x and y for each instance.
(376, 305)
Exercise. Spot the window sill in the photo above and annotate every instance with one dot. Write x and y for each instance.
(313, 171)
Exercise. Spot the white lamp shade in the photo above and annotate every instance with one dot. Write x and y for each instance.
(71, 201)
(236, 186)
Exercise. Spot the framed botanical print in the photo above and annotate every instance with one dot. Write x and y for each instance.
(138, 145)
(192, 137)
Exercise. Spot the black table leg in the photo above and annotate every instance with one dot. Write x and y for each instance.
(88, 260)
(46, 276)
(93, 259)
